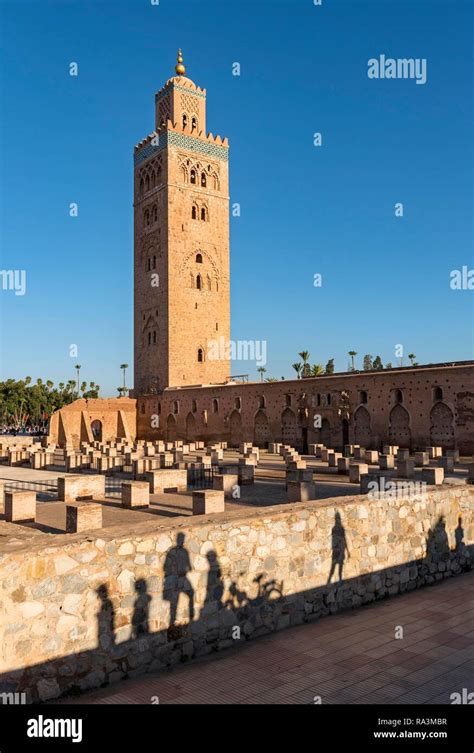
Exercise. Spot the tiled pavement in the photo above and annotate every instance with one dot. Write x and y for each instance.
(352, 657)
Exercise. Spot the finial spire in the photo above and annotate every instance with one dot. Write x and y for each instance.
(180, 69)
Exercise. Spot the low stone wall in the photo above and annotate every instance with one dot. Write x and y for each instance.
(83, 610)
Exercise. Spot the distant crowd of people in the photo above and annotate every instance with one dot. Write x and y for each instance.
(23, 431)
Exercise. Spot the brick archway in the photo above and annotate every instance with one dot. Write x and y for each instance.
(362, 432)
(235, 426)
(399, 428)
(442, 426)
(261, 429)
(289, 433)
(190, 427)
(171, 428)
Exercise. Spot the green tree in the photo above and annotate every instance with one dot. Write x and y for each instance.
(330, 366)
(367, 363)
(317, 369)
(124, 367)
(297, 367)
(304, 355)
(377, 364)
(412, 357)
(261, 370)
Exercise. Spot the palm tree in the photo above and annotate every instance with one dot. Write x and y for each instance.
(124, 367)
(304, 355)
(297, 367)
(412, 357)
(78, 368)
(352, 354)
(317, 369)
(261, 370)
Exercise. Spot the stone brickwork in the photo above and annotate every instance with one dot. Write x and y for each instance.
(85, 610)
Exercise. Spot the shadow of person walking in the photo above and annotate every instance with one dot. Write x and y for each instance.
(437, 542)
(176, 568)
(215, 582)
(141, 608)
(105, 620)
(459, 544)
(339, 547)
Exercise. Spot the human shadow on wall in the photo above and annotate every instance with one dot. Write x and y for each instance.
(105, 619)
(266, 609)
(339, 548)
(140, 623)
(176, 568)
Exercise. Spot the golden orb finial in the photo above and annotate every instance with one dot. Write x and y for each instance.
(180, 69)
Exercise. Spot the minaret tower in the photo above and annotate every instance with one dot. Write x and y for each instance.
(181, 241)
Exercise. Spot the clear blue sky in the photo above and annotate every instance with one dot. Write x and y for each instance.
(304, 209)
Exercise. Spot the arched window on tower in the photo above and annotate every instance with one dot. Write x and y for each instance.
(185, 120)
(142, 187)
(203, 180)
(215, 405)
(398, 396)
(362, 396)
(194, 212)
(198, 258)
(154, 262)
(193, 124)
(153, 179)
(438, 393)
(193, 177)
(149, 338)
(193, 406)
(154, 337)
(147, 183)
(147, 217)
(199, 282)
(200, 355)
(237, 403)
(203, 214)
(261, 401)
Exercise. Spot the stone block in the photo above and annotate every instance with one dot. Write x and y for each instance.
(356, 470)
(432, 476)
(135, 494)
(167, 479)
(371, 457)
(246, 474)
(208, 501)
(403, 453)
(421, 459)
(333, 457)
(343, 465)
(83, 516)
(359, 453)
(72, 487)
(226, 482)
(406, 468)
(447, 464)
(301, 491)
(386, 462)
(19, 506)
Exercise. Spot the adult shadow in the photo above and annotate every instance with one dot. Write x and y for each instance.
(176, 568)
(215, 582)
(437, 542)
(339, 548)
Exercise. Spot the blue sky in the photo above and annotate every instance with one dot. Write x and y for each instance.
(304, 209)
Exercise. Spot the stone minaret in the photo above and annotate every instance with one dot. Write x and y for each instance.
(181, 239)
